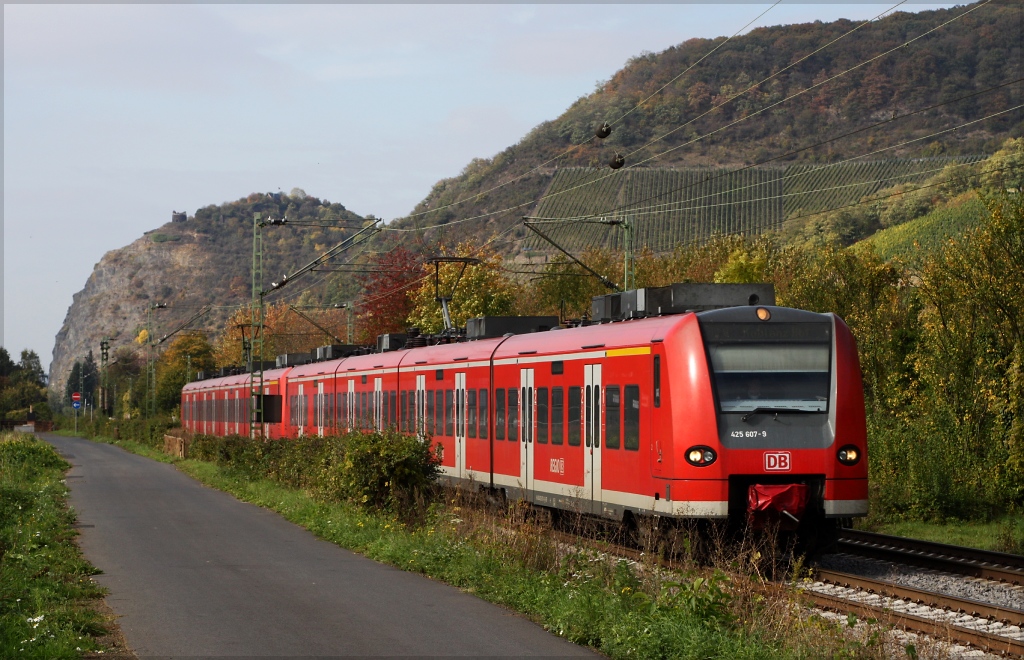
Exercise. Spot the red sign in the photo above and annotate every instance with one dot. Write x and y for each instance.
(76, 396)
(776, 461)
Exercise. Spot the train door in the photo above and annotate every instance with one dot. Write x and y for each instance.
(420, 406)
(351, 409)
(320, 406)
(300, 410)
(592, 405)
(526, 423)
(460, 424)
(378, 408)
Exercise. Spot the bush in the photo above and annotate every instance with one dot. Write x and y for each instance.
(380, 470)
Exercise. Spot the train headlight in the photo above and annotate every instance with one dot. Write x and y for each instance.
(700, 456)
(848, 455)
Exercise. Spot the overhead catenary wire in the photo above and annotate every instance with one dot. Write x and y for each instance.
(862, 202)
(592, 137)
(670, 206)
(698, 139)
(632, 205)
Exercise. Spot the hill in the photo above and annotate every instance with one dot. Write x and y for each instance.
(675, 206)
(926, 234)
(974, 53)
(205, 260)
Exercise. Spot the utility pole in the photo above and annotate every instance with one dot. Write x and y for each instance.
(104, 358)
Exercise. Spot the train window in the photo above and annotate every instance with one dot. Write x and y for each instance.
(575, 398)
(542, 415)
(449, 419)
(483, 414)
(393, 407)
(499, 414)
(777, 376)
(557, 367)
(471, 413)
(631, 418)
(588, 411)
(364, 380)
(513, 414)
(612, 418)
(430, 412)
(657, 381)
(439, 374)
(439, 412)
(405, 411)
(557, 417)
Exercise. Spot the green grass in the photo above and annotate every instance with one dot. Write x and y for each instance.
(927, 234)
(45, 584)
(1005, 535)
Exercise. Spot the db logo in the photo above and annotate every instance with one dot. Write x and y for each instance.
(558, 465)
(776, 461)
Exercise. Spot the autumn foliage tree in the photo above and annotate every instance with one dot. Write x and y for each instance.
(483, 289)
(386, 304)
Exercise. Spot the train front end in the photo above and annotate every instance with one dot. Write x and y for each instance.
(785, 441)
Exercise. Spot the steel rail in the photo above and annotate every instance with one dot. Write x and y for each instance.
(987, 564)
(935, 599)
(940, 629)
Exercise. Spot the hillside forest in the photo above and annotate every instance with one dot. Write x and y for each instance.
(927, 277)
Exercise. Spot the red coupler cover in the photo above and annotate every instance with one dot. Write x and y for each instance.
(768, 501)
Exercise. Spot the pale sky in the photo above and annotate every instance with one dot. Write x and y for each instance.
(115, 115)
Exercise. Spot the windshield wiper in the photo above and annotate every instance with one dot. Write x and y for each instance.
(776, 411)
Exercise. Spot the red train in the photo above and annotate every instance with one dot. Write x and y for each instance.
(751, 410)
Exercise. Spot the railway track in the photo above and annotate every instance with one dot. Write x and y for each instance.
(989, 627)
(998, 566)
(981, 625)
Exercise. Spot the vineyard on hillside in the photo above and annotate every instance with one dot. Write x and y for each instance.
(928, 233)
(668, 207)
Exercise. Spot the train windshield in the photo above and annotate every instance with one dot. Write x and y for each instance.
(773, 377)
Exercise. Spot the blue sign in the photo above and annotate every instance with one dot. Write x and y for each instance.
(76, 404)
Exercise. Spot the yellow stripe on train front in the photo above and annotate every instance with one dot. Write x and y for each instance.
(636, 350)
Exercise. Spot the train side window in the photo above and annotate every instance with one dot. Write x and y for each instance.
(513, 414)
(631, 413)
(449, 418)
(575, 395)
(439, 412)
(471, 413)
(394, 408)
(366, 401)
(542, 415)
(483, 414)
(499, 414)
(405, 410)
(430, 412)
(612, 404)
(657, 381)
(557, 416)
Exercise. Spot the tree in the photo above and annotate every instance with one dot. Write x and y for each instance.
(482, 290)
(30, 369)
(386, 304)
(188, 353)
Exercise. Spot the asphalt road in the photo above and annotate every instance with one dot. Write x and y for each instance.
(194, 572)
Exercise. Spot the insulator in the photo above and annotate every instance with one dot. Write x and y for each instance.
(616, 162)
(603, 131)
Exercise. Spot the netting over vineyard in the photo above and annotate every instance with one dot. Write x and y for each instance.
(670, 207)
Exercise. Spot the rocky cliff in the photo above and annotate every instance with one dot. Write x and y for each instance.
(205, 260)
